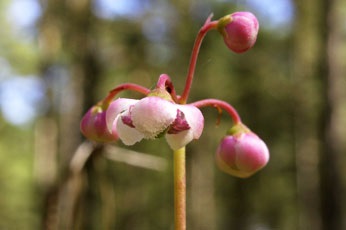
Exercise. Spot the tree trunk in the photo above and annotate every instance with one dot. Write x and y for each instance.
(70, 68)
(331, 69)
(306, 50)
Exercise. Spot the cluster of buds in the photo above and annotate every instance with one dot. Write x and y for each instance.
(163, 113)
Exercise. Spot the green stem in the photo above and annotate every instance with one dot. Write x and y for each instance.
(179, 189)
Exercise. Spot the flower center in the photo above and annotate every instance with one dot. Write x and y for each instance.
(179, 124)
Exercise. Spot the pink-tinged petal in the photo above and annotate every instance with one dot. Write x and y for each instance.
(115, 108)
(195, 120)
(93, 126)
(253, 153)
(127, 134)
(242, 154)
(153, 115)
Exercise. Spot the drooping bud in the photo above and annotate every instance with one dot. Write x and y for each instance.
(93, 125)
(239, 30)
(242, 153)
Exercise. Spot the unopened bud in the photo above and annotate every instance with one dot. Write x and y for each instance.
(242, 154)
(94, 126)
(239, 30)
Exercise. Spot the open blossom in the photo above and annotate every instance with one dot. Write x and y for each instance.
(148, 118)
(242, 154)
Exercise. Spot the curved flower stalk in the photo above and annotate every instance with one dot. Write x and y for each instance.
(163, 113)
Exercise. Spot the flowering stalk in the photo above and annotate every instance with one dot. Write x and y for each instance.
(208, 25)
(179, 189)
(163, 113)
(126, 86)
(219, 105)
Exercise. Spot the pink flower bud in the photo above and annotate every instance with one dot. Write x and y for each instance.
(239, 31)
(242, 154)
(94, 127)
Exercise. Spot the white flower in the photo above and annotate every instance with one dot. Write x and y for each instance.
(149, 117)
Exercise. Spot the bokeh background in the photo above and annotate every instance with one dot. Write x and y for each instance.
(57, 58)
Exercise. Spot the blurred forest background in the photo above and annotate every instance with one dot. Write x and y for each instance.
(57, 58)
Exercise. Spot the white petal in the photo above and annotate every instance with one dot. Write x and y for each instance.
(195, 120)
(127, 134)
(152, 115)
(179, 140)
(116, 107)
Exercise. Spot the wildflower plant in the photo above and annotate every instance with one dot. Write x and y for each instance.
(164, 113)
